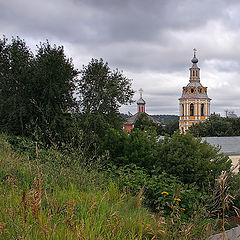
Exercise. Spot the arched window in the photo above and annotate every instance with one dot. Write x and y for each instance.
(191, 109)
(202, 109)
(182, 109)
(193, 73)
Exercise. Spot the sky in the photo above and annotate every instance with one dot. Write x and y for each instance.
(151, 41)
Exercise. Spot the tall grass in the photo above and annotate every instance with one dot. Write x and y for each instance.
(48, 195)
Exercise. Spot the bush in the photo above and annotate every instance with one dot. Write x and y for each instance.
(161, 192)
(185, 157)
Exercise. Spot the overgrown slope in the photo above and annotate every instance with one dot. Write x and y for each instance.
(47, 195)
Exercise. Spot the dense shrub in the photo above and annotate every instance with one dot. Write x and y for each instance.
(182, 156)
(161, 192)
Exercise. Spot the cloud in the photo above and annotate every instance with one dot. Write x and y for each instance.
(151, 41)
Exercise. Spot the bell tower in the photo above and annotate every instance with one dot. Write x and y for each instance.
(141, 103)
(194, 104)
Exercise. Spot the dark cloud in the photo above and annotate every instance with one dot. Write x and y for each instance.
(150, 40)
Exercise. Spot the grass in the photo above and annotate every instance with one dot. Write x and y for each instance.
(48, 195)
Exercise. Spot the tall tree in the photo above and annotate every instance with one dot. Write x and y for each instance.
(102, 92)
(53, 88)
(36, 92)
(15, 83)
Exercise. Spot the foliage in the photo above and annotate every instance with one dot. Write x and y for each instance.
(234, 186)
(41, 199)
(216, 126)
(160, 130)
(15, 85)
(171, 126)
(182, 156)
(190, 160)
(52, 91)
(101, 92)
(69, 202)
(166, 193)
(144, 121)
(36, 91)
(164, 119)
(161, 192)
(138, 147)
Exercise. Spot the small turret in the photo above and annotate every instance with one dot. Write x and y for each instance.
(141, 103)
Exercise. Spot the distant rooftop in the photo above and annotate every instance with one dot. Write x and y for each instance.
(132, 119)
(229, 145)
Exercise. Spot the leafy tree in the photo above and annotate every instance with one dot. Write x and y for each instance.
(15, 85)
(52, 90)
(216, 126)
(182, 156)
(137, 147)
(143, 121)
(36, 92)
(160, 130)
(101, 92)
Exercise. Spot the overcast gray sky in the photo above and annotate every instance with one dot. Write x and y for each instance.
(150, 40)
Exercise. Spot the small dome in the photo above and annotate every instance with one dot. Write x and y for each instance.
(194, 60)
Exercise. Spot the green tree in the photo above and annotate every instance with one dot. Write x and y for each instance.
(101, 92)
(216, 126)
(36, 92)
(143, 121)
(137, 147)
(15, 85)
(52, 91)
(172, 126)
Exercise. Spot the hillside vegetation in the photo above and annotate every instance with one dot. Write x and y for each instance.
(48, 195)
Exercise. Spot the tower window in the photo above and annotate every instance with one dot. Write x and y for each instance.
(191, 109)
(202, 109)
(192, 90)
(182, 109)
(193, 73)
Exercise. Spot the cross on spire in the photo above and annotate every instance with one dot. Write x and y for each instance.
(194, 52)
(141, 91)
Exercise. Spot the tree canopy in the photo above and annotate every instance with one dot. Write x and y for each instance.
(102, 92)
(15, 85)
(216, 126)
(35, 91)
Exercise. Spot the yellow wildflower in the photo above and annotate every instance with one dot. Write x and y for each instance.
(183, 209)
(178, 199)
(165, 193)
